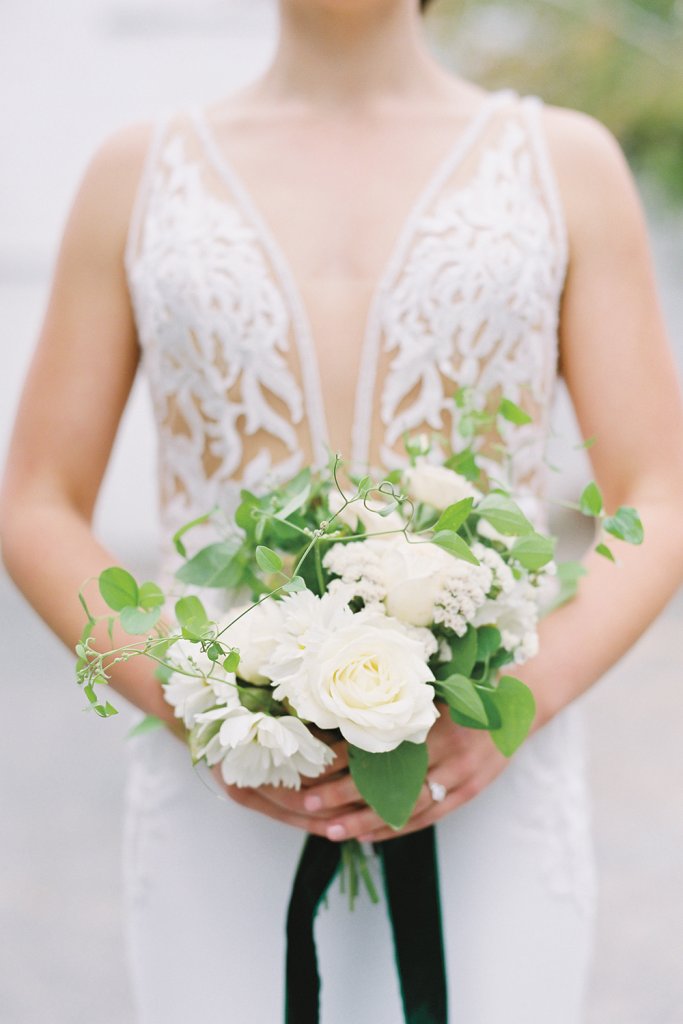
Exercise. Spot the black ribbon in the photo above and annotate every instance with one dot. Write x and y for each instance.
(411, 884)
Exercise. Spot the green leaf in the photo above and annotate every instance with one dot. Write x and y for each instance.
(214, 652)
(267, 559)
(488, 642)
(364, 485)
(625, 524)
(462, 396)
(461, 695)
(192, 617)
(533, 551)
(568, 575)
(463, 656)
(390, 782)
(118, 588)
(295, 503)
(105, 710)
(517, 707)
(602, 549)
(588, 443)
(244, 515)
(148, 724)
(177, 542)
(464, 463)
(590, 501)
(232, 661)
(504, 515)
(492, 712)
(454, 545)
(163, 673)
(150, 596)
(137, 621)
(512, 412)
(454, 516)
(213, 566)
(295, 584)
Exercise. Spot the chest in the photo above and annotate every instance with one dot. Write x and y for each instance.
(343, 301)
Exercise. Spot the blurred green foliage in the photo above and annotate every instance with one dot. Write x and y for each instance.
(619, 60)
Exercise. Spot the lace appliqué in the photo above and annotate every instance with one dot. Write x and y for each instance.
(470, 297)
(214, 327)
(552, 768)
(475, 303)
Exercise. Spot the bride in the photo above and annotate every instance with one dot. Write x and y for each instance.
(322, 259)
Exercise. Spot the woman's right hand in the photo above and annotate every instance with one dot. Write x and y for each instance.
(289, 805)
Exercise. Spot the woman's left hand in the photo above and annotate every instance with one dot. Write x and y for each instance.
(462, 760)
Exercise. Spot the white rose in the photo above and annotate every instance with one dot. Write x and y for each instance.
(358, 514)
(255, 749)
(255, 635)
(366, 676)
(437, 486)
(413, 576)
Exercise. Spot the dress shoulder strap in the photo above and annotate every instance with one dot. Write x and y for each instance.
(158, 133)
(532, 108)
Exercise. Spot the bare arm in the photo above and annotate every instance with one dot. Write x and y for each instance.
(70, 409)
(624, 385)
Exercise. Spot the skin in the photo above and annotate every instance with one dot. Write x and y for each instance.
(361, 68)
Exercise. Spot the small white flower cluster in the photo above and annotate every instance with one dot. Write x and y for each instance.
(421, 585)
(417, 582)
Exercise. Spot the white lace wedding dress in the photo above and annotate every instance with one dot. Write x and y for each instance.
(469, 296)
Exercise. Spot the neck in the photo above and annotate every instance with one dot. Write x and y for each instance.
(336, 54)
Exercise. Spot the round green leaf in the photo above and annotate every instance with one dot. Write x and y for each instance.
(590, 501)
(517, 707)
(192, 617)
(150, 596)
(504, 515)
(295, 584)
(137, 621)
(390, 782)
(118, 588)
(625, 525)
(232, 661)
(533, 551)
(267, 559)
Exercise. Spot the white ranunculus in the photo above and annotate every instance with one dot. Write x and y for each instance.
(364, 674)
(206, 685)
(255, 634)
(437, 486)
(255, 749)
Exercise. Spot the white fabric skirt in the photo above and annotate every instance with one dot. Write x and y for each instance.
(207, 886)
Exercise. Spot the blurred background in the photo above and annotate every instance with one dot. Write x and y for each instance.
(69, 75)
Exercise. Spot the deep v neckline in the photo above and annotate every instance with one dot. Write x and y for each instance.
(368, 352)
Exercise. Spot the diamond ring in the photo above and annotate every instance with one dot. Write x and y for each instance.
(438, 791)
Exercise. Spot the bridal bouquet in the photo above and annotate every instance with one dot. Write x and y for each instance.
(364, 605)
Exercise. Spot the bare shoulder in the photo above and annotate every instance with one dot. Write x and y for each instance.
(595, 181)
(104, 201)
